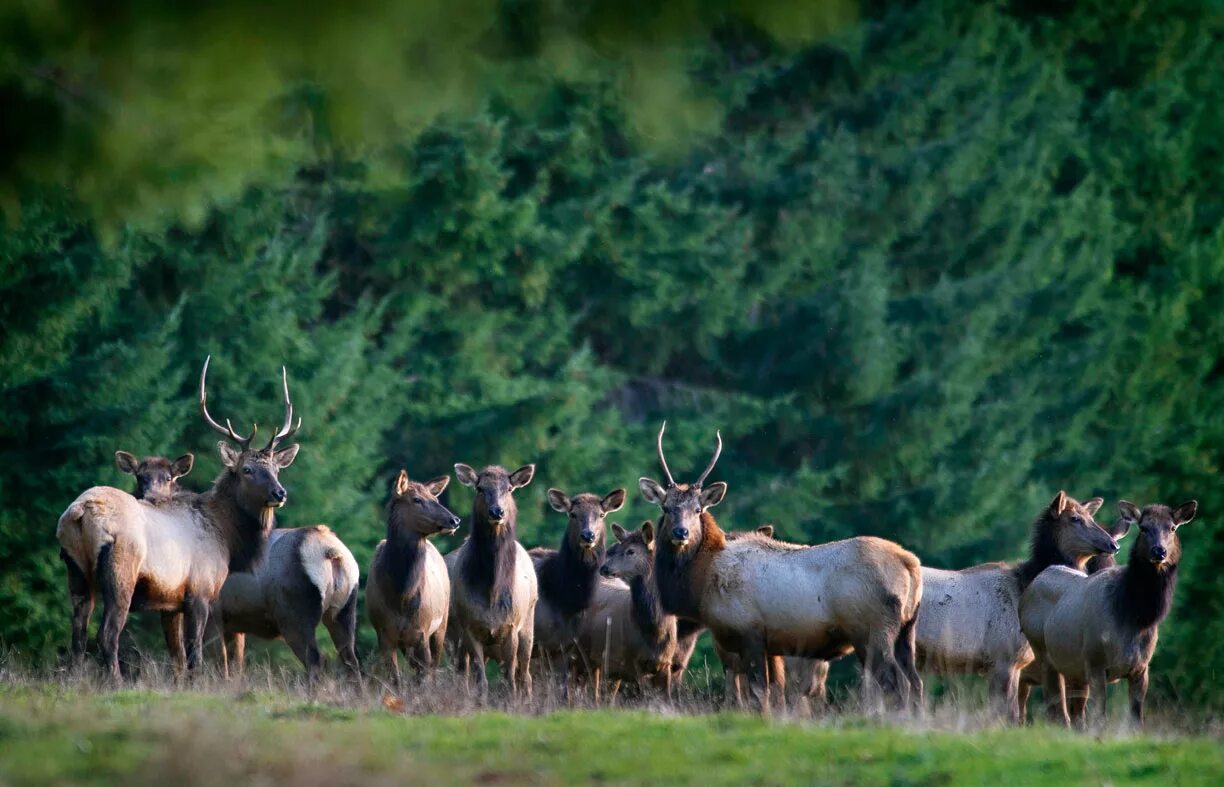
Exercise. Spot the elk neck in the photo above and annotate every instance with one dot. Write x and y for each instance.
(569, 578)
(1143, 595)
(648, 614)
(402, 563)
(1043, 552)
(681, 577)
(489, 566)
(243, 533)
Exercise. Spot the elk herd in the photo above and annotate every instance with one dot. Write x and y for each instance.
(592, 617)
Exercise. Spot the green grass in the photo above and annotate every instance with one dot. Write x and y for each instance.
(56, 733)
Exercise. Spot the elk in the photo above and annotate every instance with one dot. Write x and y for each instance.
(1089, 631)
(172, 558)
(156, 476)
(626, 635)
(761, 597)
(493, 581)
(970, 624)
(569, 576)
(408, 590)
(307, 576)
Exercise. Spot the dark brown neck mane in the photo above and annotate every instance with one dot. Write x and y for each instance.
(401, 564)
(242, 533)
(1143, 595)
(568, 577)
(680, 577)
(1043, 551)
(488, 567)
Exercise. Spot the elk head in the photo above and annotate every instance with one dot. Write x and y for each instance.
(1076, 534)
(494, 487)
(257, 470)
(1157, 542)
(586, 511)
(683, 504)
(156, 476)
(415, 507)
(632, 555)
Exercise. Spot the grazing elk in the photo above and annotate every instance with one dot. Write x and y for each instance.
(970, 622)
(493, 581)
(172, 558)
(568, 576)
(156, 476)
(1089, 631)
(408, 590)
(761, 597)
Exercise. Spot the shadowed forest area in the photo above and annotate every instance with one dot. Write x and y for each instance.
(922, 263)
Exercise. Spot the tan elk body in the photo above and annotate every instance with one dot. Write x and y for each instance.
(172, 557)
(970, 622)
(408, 590)
(1091, 630)
(493, 582)
(761, 597)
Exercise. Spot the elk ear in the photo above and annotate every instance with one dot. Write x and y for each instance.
(651, 490)
(401, 483)
(713, 494)
(1058, 504)
(230, 456)
(559, 502)
(1184, 512)
(613, 501)
(1128, 514)
(620, 532)
(1093, 505)
(465, 474)
(126, 462)
(522, 477)
(438, 485)
(285, 456)
(648, 533)
(766, 530)
(182, 466)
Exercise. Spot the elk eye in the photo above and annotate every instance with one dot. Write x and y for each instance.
(631, 553)
(1077, 519)
(418, 500)
(247, 471)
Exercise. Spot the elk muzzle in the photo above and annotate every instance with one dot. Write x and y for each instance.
(587, 537)
(679, 535)
(1157, 554)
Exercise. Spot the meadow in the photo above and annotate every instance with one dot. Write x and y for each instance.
(267, 728)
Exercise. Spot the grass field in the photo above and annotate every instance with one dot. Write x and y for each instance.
(62, 732)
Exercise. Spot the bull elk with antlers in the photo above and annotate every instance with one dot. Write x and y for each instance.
(175, 557)
(761, 597)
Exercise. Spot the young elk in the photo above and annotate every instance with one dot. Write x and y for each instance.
(627, 635)
(172, 558)
(493, 582)
(408, 591)
(568, 576)
(970, 623)
(156, 476)
(860, 594)
(1089, 631)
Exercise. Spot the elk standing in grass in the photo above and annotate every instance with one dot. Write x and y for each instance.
(1089, 631)
(408, 590)
(172, 558)
(493, 581)
(568, 577)
(970, 622)
(761, 597)
(627, 635)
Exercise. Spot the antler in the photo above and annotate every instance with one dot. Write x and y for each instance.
(659, 444)
(717, 452)
(228, 429)
(285, 431)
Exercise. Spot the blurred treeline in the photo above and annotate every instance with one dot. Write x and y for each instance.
(923, 263)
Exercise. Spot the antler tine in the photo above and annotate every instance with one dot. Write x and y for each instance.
(659, 445)
(228, 429)
(285, 431)
(717, 452)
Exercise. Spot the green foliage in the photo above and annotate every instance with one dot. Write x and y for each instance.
(929, 271)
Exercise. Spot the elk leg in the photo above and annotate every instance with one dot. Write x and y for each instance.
(508, 661)
(237, 646)
(777, 679)
(343, 630)
(1003, 685)
(477, 658)
(1055, 694)
(195, 618)
(1023, 690)
(82, 605)
(526, 640)
(817, 688)
(305, 645)
(1077, 694)
(882, 670)
(390, 656)
(1099, 688)
(172, 629)
(1138, 684)
(116, 602)
(439, 646)
(905, 651)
